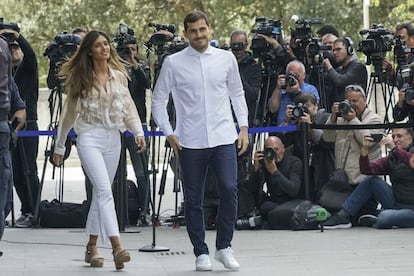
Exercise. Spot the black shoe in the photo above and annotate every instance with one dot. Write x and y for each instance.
(367, 220)
(337, 222)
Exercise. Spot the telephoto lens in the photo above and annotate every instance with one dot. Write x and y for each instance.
(291, 79)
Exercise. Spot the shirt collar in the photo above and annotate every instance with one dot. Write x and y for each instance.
(194, 52)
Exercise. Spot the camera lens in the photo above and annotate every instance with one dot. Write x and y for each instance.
(291, 80)
(344, 107)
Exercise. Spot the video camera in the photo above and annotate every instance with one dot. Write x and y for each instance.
(125, 36)
(378, 41)
(164, 44)
(9, 25)
(9, 37)
(62, 47)
(304, 30)
(268, 27)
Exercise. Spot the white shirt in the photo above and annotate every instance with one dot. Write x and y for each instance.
(202, 85)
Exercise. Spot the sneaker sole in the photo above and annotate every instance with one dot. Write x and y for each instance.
(204, 268)
(339, 226)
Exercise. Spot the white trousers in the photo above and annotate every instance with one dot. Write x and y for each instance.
(99, 151)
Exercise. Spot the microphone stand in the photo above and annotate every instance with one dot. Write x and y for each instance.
(153, 247)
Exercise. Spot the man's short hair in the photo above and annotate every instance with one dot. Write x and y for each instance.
(78, 30)
(238, 32)
(194, 16)
(406, 25)
(306, 97)
(327, 29)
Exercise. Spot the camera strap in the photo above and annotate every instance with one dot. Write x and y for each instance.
(346, 154)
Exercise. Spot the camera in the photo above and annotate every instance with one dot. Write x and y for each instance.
(378, 41)
(344, 107)
(125, 36)
(377, 137)
(160, 39)
(299, 110)
(236, 46)
(269, 153)
(248, 223)
(9, 25)
(291, 79)
(409, 93)
(267, 27)
(62, 47)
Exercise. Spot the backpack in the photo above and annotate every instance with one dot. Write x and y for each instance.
(133, 202)
(305, 216)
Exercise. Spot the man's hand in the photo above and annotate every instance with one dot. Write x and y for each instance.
(273, 42)
(174, 143)
(270, 165)
(243, 140)
(366, 144)
(327, 64)
(334, 112)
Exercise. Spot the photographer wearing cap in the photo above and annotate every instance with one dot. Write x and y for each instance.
(25, 73)
(283, 176)
(288, 86)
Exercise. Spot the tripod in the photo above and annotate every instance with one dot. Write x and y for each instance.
(55, 109)
(378, 78)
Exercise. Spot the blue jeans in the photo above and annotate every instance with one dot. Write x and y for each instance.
(370, 187)
(194, 163)
(402, 218)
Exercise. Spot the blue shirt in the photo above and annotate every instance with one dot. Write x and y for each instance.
(286, 99)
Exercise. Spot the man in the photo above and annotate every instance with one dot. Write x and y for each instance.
(321, 153)
(9, 102)
(294, 84)
(406, 32)
(251, 75)
(327, 29)
(203, 80)
(349, 71)
(397, 200)
(24, 155)
(283, 175)
(354, 111)
(250, 71)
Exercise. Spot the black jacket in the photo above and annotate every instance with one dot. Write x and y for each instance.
(26, 77)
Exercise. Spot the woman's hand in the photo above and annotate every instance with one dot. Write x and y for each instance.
(140, 141)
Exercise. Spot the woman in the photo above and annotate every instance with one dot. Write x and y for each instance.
(98, 106)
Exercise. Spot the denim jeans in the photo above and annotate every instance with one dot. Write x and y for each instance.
(402, 218)
(194, 163)
(370, 187)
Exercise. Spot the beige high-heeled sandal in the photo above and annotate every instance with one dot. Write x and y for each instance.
(94, 260)
(120, 257)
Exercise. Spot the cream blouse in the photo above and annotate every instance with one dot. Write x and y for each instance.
(109, 107)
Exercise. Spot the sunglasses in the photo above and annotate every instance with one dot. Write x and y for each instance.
(353, 87)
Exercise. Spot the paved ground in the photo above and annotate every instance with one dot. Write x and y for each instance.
(357, 251)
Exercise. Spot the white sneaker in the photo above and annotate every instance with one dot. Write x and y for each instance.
(225, 256)
(203, 263)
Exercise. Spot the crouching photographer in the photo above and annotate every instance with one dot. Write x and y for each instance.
(282, 173)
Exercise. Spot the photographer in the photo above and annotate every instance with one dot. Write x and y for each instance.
(250, 71)
(24, 155)
(10, 103)
(405, 106)
(283, 176)
(349, 70)
(404, 32)
(287, 88)
(320, 152)
(140, 81)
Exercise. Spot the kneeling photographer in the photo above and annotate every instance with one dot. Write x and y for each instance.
(283, 175)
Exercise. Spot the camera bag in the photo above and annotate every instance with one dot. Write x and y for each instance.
(57, 214)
